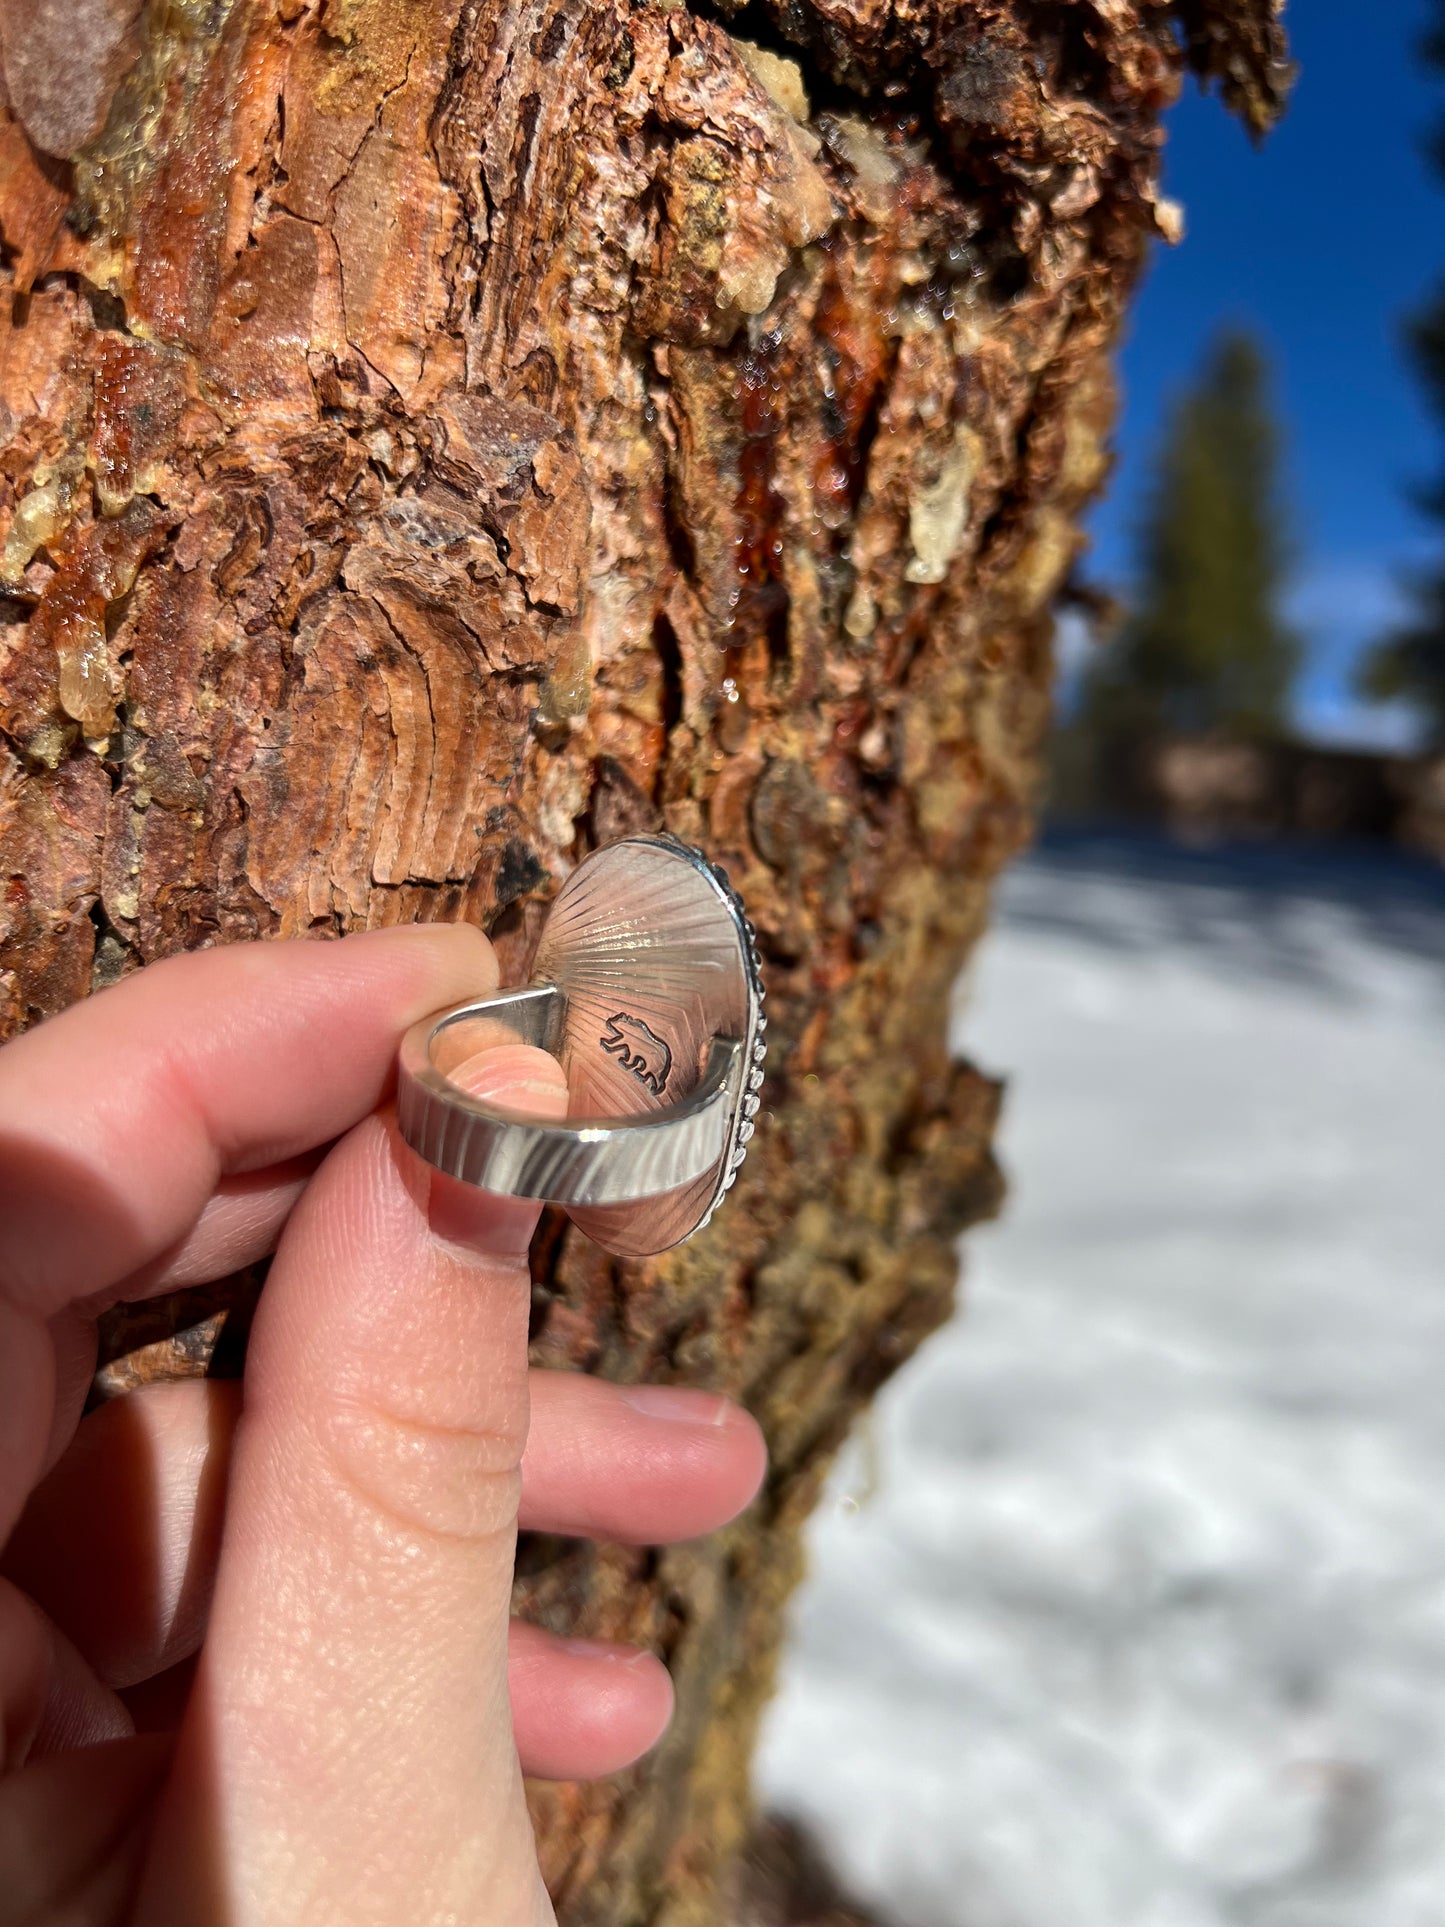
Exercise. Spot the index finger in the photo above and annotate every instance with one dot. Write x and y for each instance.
(121, 1114)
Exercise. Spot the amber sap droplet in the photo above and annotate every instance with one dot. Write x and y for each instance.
(733, 720)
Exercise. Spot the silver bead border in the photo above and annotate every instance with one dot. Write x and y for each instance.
(752, 1095)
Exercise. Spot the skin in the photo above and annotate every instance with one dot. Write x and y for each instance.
(256, 1663)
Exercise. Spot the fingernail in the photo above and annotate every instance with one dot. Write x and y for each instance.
(678, 1403)
(515, 1076)
(514, 1093)
(603, 1649)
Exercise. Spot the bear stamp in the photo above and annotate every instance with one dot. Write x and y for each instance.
(639, 1050)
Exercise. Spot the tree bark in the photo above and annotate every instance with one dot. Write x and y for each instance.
(440, 436)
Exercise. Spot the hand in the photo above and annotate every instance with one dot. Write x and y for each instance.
(350, 1745)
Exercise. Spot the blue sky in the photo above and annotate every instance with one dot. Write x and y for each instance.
(1319, 240)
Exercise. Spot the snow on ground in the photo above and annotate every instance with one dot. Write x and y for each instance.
(1128, 1610)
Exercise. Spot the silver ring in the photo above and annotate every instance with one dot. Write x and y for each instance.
(646, 987)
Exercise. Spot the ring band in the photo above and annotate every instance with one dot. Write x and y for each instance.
(591, 1160)
(647, 988)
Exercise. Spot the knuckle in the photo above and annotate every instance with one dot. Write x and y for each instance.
(428, 1480)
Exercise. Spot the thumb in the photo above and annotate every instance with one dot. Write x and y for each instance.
(348, 1755)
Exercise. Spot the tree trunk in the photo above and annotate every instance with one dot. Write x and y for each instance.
(444, 435)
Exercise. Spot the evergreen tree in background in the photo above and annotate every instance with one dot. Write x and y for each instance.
(1411, 662)
(1205, 646)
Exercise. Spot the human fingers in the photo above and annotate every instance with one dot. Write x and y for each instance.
(353, 1684)
(220, 1062)
(582, 1708)
(75, 1785)
(641, 1464)
(216, 1063)
(239, 1223)
(76, 1827)
(119, 1543)
(73, 1830)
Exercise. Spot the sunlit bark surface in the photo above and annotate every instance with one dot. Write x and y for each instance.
(438, 436)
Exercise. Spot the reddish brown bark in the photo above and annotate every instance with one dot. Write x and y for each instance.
(441, 435)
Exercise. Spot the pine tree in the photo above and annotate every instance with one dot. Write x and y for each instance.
(1205, 646)
(1410, 663)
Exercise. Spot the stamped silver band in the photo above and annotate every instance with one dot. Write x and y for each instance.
(647, 989)
(587, 1160)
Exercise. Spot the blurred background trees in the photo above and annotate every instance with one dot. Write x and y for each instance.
(1410, 663)
(1203, 647)
(1206, 645)
(1267, 595)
